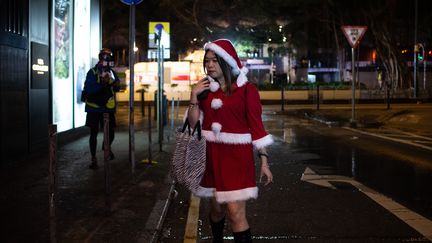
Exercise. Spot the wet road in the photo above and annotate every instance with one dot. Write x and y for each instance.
(331, 185)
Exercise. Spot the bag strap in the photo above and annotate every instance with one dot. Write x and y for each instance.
(186, 124)
(197, 128)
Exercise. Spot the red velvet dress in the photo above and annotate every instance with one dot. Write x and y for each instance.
(232, 126)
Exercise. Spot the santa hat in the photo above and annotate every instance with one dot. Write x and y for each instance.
(225, 49)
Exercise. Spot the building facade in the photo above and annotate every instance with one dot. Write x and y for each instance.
(46, 48)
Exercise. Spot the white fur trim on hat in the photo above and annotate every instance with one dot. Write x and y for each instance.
(222, 53)
(216, 128)
(242, 78)
(263, 142)
(236, 195)
(227, 138)
(216, 103)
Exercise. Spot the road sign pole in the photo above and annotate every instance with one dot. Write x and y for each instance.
(131, 4)
(353, 34)
(353, 86)
(131, 87)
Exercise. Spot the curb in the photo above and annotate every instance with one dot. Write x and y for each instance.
(157, 216)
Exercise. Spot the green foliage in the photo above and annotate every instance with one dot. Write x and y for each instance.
(243, 46)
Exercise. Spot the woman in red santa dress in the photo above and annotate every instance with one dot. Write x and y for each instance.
(230, 114)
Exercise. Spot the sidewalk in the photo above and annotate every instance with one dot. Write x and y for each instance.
(137, 205)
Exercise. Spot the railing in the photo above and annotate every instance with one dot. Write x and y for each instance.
(325, 94)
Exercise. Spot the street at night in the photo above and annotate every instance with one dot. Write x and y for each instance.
(332, 184)
(309, 121)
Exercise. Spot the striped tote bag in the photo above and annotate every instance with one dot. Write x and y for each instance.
(189, 158)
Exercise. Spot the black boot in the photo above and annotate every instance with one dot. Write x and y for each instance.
(217, 230)
(243, 236)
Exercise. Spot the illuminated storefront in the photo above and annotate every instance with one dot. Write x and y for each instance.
(74, 43)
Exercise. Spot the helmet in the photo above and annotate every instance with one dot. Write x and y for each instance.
(106, 57)
(105, 54)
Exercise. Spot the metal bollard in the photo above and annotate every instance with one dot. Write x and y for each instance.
(107, 150)
(150, 159)
(172, 113)
(52, 147)
(318, 98)
(178, 107)
(149, 136)
(142, 102)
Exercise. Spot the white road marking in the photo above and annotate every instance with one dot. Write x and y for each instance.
(191, 230)
(412, 134)
(391, 139)
(413, 219)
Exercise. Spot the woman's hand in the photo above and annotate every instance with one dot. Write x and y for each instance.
(265, 169)
(203, 84)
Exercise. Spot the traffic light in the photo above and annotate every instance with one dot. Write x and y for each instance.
(420, 56)
(420, 51)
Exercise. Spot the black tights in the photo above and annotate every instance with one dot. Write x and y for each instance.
(93, 139)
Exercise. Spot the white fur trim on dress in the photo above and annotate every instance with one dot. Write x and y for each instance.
(242, 78)
(216, 103)
(228, 138)
(237, 195)
(205, 192)
(216, 128)
(222, 53)
(263, 142)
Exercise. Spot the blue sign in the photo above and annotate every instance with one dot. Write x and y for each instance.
(130, 2)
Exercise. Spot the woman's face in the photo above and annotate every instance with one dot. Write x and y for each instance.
(212, 66)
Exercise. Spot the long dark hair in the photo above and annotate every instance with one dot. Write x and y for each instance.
(227, 72)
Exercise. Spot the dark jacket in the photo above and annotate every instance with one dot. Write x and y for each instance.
(98, 93)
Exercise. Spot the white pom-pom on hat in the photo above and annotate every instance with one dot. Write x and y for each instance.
(214, 86)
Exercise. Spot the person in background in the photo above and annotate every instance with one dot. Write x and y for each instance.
(230, 112)
(99, 95)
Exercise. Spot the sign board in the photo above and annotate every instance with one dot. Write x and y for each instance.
(159, 31)
(354, 34)
(39, 66)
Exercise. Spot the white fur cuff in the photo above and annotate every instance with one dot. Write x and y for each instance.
(263, 142)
